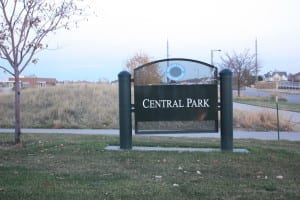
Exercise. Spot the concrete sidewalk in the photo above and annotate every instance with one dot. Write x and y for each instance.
(272, 135)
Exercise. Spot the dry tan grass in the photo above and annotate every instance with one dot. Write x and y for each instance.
(265, 85)
(64, 106)
(260, 121)
(96, 106)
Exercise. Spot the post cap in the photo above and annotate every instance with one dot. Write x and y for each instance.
(124, 73)
(226, 72)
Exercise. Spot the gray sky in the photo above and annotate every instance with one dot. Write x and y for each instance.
(100, 47)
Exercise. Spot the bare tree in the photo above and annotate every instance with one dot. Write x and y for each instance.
(137, 60)
(24, 25)
(150, 75)
(243, 66)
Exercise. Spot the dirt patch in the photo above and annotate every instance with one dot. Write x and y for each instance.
(8, 146)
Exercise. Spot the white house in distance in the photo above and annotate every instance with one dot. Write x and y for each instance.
(276, 76)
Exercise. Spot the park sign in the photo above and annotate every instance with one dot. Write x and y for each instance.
(175, 102)
(175, 95)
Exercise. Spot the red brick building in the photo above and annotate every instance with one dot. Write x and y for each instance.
(31, 82)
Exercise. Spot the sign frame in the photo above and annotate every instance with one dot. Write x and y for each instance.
(175, 98)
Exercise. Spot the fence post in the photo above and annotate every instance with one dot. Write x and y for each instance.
(226, 110)
(125, 110)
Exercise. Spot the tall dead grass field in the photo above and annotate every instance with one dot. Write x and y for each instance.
(95, 106)
(64, 106)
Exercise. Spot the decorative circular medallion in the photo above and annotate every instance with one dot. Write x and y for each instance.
(175, 72)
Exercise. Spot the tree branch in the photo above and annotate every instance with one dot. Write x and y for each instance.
(35, 44)
(27, 23)
(6, 70)
(7, 55)
(23, 29)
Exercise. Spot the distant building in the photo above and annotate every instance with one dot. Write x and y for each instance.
(276, 76)
(294, 77)
(31, 82)
(6, 85)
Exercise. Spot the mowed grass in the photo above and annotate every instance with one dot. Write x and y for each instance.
(269, 102)
(52, 166)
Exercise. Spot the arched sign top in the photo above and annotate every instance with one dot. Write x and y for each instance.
(176, 59)
(179, 71)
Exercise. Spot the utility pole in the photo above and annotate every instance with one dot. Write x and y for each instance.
(168, 49)
(168, 63)
(256, 67)
(212, 55)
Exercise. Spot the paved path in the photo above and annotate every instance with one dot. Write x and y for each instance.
(272, 135)
(290, 97)
(291, 136)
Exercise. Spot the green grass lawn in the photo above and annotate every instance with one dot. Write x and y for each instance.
(77, 167)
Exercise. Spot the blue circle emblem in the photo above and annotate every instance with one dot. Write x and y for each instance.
(175, 72)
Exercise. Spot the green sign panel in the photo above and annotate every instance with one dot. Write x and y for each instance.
(176, 95)
(176, 102)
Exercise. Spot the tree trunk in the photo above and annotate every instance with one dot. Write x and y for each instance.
(17, 108)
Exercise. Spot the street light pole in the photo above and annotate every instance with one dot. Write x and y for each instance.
(212, 55)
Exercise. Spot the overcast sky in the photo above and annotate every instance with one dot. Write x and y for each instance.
(100, 47)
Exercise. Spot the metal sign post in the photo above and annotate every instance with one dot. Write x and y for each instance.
(125, 110)
(226, 110)
(278, 135)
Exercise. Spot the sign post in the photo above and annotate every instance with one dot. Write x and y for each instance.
(277, 112)
(226, 110)
(125, 110)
